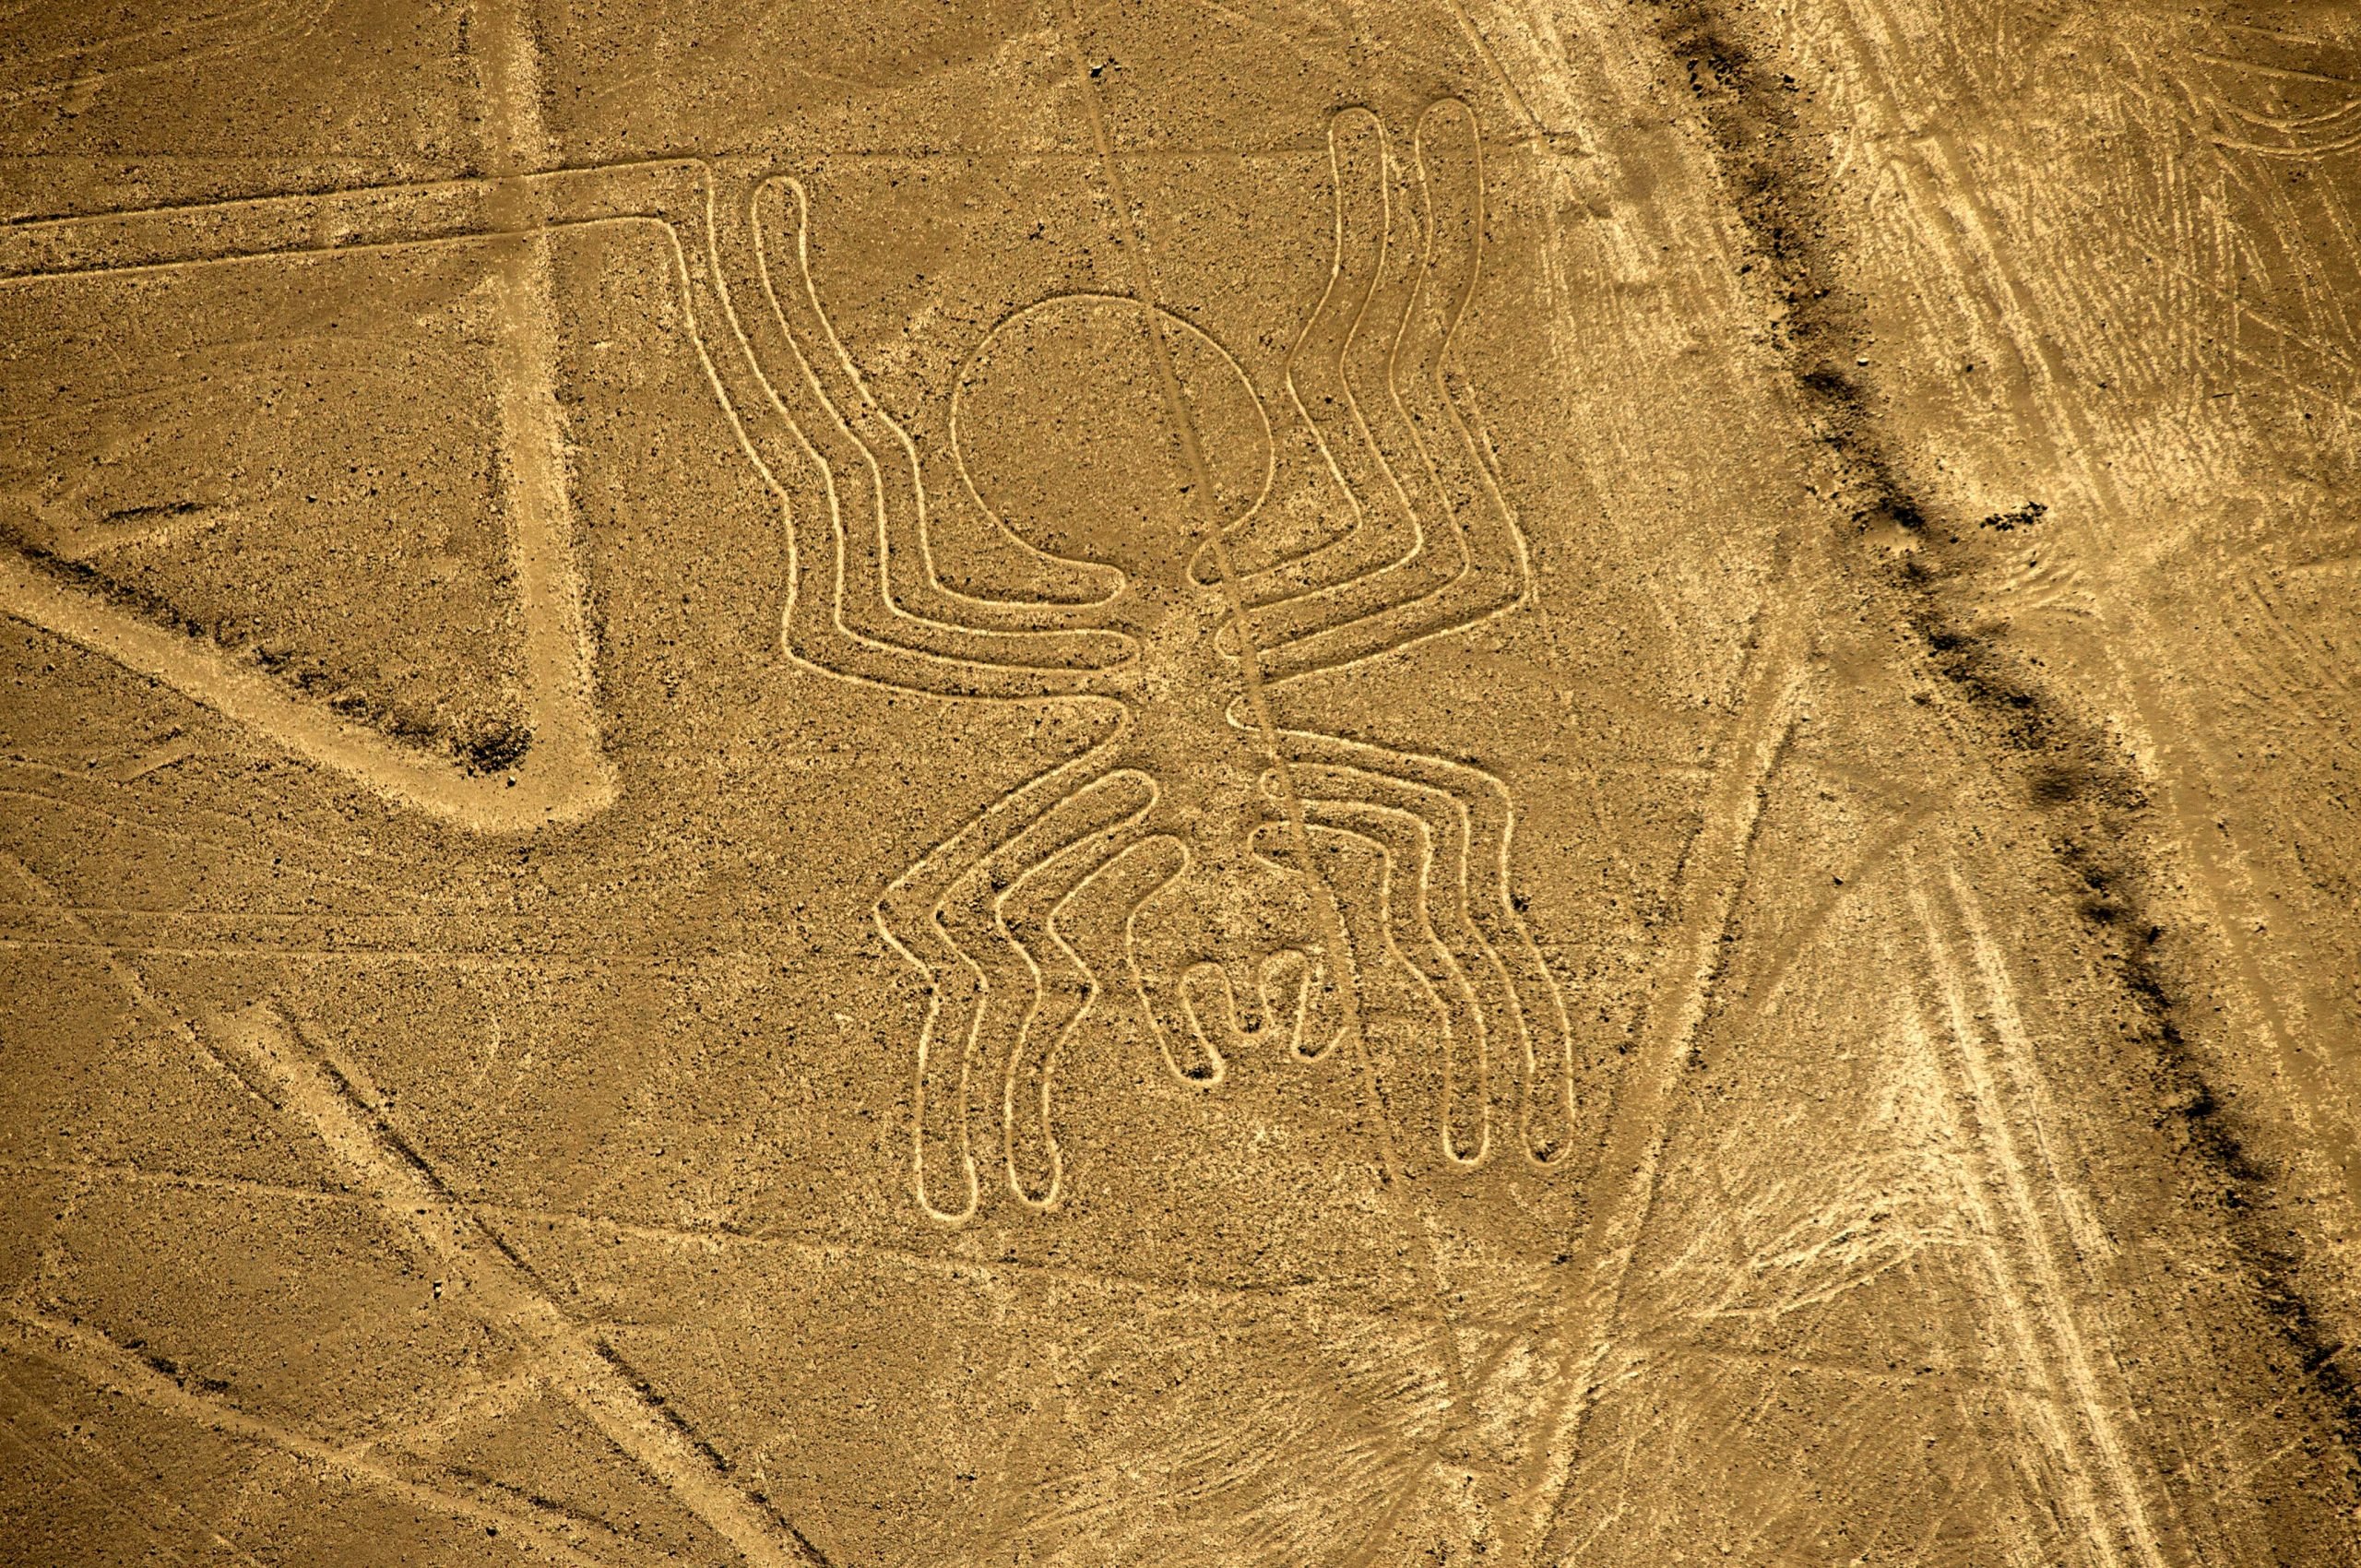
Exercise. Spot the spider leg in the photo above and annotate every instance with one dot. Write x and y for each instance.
(1425, 1087)
(1470, 816)
(973, 973)
(796, 319)
(1055, 859)
(1457, 1101)
(1370, 281)
(1470, 563)
(863, 599)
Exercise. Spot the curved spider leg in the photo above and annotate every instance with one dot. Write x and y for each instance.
(1407, 841)
(782, 208)
(910, 916)
(1280, 992)
(1447, 136)
(1098, 923)
(1410, 541)
(1022, 1006)
(1448, 155)
(871, 515)
(1035, 912)
(1372, 450)
(1421, 1085)
(1479, 1093)
(1474, 816)
(1396, 609)
(1381, 531)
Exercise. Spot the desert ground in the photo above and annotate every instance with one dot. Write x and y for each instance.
(1331, 783)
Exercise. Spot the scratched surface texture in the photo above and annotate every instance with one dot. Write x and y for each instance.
(1304, 783)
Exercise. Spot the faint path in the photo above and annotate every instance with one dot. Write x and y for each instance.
(115, 1368)
(1578, 1333)
(257, 1049)
(563, 777)
(561, 709)
(2011, 1190)
(258, 1044)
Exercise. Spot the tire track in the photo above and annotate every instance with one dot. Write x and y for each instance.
(2091, 805)
(1713, 874)
(2103, 1484)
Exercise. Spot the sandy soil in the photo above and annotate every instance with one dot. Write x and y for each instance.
(1156, 783)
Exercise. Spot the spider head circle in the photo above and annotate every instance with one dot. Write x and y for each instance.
(1064, 432)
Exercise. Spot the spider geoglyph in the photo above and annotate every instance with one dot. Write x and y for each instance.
(1202, 859)
(1201, 801)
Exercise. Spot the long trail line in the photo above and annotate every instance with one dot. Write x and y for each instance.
(1132, 237)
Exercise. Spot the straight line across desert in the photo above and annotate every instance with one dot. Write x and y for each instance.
(1181, 783)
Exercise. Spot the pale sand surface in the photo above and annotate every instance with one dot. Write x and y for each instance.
(1300, 782)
